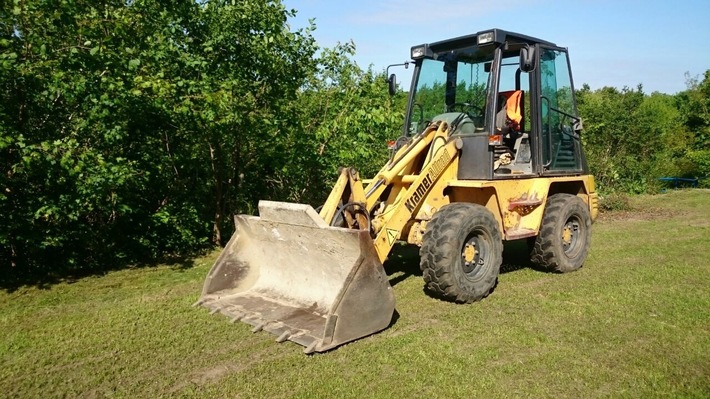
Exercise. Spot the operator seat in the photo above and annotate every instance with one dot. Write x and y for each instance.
(509, 121)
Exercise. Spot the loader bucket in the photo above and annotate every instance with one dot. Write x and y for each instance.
(289, 273)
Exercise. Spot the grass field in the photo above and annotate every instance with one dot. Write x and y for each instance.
(633, 322)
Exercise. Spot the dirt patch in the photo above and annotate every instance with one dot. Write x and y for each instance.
(700, 223)
(90, 394)
(639, 214)
(217, 372)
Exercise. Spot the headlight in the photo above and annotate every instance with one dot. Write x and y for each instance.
(485, 38)
(417, 52)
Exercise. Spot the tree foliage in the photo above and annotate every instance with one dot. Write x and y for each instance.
(631, 138)
(347, 119)
(131, 130)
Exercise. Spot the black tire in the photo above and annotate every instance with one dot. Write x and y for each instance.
(565, 234)
(461, 253)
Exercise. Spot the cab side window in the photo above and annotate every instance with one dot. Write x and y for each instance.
(560, 146)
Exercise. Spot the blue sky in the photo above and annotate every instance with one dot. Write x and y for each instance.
(611, 42)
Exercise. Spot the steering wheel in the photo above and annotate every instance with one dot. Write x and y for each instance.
(473, 111)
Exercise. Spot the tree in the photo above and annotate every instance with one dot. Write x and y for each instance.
(612, 137)
(694, 107)
(347, 118)
(132, 129)
(631, 139)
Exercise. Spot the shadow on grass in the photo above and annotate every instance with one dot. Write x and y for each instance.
(13, 279)
(516, 256)
(403, 261)
(395, 318)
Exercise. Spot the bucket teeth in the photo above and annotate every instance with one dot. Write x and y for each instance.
(311, 348)
(198, 303)
(284, 336)
(258, 327)
(236, 318)
(215, 310)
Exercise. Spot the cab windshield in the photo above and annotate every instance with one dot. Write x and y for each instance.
(454, 82)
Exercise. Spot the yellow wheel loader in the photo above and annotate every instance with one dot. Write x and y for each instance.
(490, 151)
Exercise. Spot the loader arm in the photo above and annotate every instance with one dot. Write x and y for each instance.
(388, 225)
(396, 216)
(349, 189)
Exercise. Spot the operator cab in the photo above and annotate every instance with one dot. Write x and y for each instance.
(510, 97)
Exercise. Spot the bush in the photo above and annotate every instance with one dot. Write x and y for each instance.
(615, 202)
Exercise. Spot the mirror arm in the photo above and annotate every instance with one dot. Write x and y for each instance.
(387, 71)
(392, 79)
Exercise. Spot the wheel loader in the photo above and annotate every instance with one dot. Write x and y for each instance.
(490, 151)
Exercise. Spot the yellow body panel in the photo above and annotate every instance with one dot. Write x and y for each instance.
(518, 204)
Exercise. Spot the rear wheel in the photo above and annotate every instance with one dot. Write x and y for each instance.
(461, 253)
(565, 234)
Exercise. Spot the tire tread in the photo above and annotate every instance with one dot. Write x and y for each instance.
(440, 258)
(547, 251)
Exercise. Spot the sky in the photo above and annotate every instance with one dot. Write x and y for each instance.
(611, 42)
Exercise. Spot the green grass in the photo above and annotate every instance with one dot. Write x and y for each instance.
(633, 322)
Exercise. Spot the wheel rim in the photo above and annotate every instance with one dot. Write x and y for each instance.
(572, 236)
(474, 253)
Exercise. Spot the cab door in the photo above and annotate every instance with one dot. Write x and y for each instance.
(558, 122)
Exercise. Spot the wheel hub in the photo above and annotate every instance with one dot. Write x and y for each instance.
(469, 252)
(470, 255)
(570, 233)
(567, 235)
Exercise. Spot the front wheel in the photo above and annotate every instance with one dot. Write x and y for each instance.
(461, 253)
(565, 234)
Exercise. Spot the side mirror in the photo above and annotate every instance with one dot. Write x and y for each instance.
(578, 126)
(527, 59)
(392, 80)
